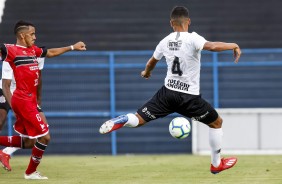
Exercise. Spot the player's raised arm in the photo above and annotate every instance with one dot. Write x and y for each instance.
(222, 46)
(79, 46)
(149, 67)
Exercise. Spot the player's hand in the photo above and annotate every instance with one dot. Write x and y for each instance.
(237, 54)
(145, 74)
(79, 46)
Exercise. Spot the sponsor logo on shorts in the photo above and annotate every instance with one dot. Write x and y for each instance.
(199, 118)
(148, 113)
(42, 127)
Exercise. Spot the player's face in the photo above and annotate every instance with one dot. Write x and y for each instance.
(29, 36)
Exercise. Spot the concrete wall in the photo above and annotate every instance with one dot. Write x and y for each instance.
(245, 131)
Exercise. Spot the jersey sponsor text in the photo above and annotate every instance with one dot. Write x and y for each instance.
(177, 84)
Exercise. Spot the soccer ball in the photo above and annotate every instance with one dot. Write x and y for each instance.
(179, 128)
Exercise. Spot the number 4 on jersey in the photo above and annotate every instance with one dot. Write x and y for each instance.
(175, 69)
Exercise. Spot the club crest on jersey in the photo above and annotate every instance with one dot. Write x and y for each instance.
(174, 45)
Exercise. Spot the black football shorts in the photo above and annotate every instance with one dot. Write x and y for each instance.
(3, 102)
(166, 101)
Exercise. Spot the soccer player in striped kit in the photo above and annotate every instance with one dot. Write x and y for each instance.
(22, 58)
(181, 90)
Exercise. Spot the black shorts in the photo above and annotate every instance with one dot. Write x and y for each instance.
(166, 101)
(3, 102)
(39, 108)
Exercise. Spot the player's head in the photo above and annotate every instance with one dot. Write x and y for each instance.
(25, 32)
(21, 26)
(179, 16)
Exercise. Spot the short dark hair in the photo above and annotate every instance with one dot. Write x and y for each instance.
(179, 12)
(21, 25)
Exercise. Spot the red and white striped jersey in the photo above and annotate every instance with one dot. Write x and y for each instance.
(23, 61)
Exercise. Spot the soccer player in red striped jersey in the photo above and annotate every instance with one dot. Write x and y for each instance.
(22, 58)
(9, 86)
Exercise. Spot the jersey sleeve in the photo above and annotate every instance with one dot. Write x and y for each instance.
(198, 41)
(158, 53)
(40, 51)
(7, 71)
(40, 63)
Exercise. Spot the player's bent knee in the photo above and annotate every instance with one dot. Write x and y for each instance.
(28, 143)
(141, 120)
(217, 123)
(45, 139)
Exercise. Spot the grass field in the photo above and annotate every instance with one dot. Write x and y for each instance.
(146, 169)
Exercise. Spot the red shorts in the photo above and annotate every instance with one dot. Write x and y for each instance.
(28, 123)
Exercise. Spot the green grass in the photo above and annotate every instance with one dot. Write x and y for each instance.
(146, 169)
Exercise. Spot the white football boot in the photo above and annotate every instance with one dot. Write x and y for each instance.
(35, 176)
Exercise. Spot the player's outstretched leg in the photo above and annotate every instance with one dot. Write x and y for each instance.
(225, 163)
(113, 124)
(4, 160)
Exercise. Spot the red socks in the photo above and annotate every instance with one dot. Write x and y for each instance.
(36, 155)
(11, 141)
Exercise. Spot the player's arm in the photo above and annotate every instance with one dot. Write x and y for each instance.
(149, 67)
(39, 88)
(7, 76)
(80, 46)
(222, 46)
(39, 95)
(6, 84)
